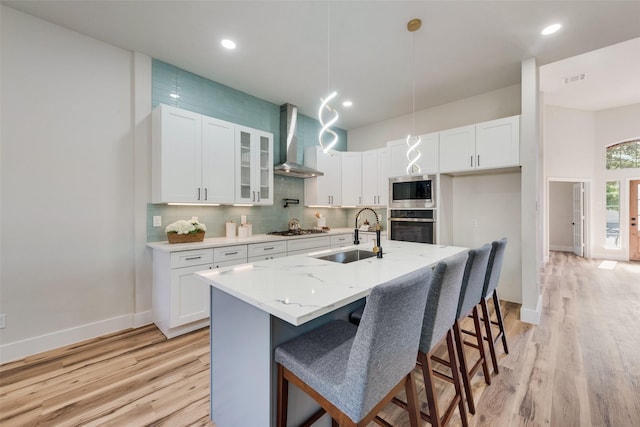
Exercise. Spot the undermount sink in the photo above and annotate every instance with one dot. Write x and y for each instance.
(348, 256)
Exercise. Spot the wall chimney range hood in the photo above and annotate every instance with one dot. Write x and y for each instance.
(289, 146)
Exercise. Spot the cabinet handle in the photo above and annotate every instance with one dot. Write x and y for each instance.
(471, 158)
(254, 196)
(478, 162)
(198, 193)
(268, 249)
(258, 196)
(206, 194)
(191, 258)
(231, 253)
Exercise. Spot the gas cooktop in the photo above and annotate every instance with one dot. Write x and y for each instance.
(299, 232)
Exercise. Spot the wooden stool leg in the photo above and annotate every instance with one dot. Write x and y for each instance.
(455, 374)
(483, 356)
(463, 367)
(283, 398)
(496, 303)
(489, 332)
(412, 400)
(429, 387)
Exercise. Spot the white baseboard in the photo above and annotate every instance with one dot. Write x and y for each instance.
(532, 316)
(142, 319)
(28, 347)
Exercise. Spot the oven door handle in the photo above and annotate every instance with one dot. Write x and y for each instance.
(412, 220)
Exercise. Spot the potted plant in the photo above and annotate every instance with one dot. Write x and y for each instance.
(184, 231)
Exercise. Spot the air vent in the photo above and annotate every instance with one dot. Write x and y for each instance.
(574, 79)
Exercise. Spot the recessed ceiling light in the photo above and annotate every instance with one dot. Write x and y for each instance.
(347, 104)
(174, 95)
(229, 44)
(551, 29)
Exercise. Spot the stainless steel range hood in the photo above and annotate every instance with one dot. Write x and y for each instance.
(288, 165)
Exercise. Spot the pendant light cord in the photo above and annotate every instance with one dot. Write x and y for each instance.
(413, 75)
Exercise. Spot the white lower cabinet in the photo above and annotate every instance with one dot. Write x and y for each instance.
(308, 244)
(180, 301)
(229, 255)
(341, 240)
(264, 251)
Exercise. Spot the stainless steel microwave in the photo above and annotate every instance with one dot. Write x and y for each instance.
(411, 192)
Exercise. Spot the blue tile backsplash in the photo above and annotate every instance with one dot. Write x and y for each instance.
(216, 100)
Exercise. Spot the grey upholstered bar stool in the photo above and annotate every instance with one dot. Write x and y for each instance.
(352, 372)
(490, 291)
(470, 295)
(439, 318)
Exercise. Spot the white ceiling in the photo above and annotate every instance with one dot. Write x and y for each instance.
(464, 47)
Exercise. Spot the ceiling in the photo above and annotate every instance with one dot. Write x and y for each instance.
(464, 48)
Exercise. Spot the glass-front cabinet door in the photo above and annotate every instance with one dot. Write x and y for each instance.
(254, 175)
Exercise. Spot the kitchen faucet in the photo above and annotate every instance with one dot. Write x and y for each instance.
(356, 241)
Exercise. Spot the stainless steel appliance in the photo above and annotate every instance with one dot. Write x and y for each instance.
(412, 225)
(412, 192)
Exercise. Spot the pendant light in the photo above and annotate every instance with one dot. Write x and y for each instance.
(413, 142)
(327, 137)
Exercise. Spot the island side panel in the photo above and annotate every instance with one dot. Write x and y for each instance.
(241, 358)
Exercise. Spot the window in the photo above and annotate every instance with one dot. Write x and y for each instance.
(624, 155)
(613, 214)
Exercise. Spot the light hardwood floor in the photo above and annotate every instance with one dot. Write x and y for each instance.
(579, 367)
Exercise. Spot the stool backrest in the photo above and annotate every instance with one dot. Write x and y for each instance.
(385, 346)
(494, 267)
(442, 301)
(473, 280)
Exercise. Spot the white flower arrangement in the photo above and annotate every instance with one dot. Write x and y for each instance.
(185, 226)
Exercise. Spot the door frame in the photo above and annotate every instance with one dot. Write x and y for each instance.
(587, 213)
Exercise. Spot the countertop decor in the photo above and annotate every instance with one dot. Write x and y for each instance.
(185, 231)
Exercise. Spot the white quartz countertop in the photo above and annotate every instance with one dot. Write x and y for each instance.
(300, 288)
(214, 242)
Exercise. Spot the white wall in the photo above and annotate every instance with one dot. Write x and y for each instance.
(561, 216)
(67, 186)
(569, 137)
(487, 208)
(499, 103)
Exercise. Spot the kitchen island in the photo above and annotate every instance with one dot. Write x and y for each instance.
(256, 307)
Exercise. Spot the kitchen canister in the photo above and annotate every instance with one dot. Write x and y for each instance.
(231, 229)
(245, 230)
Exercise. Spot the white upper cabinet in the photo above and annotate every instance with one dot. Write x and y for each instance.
(351, 178)
(375, 177)
(323, 190)
(488, 145)
(498, 143)
(457, 148)
(254, 168)
(218, 160)
(184, 166)
(428, 161)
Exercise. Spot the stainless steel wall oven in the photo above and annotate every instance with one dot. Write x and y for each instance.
(413, 225)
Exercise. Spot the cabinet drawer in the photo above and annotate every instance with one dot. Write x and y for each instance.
(193, 257)
(230, 253)
(341, 240)
(308, 244)
(264, 257)
(265, 249)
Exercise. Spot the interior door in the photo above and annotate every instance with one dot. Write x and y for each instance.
(578, 219)
(634, 224)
